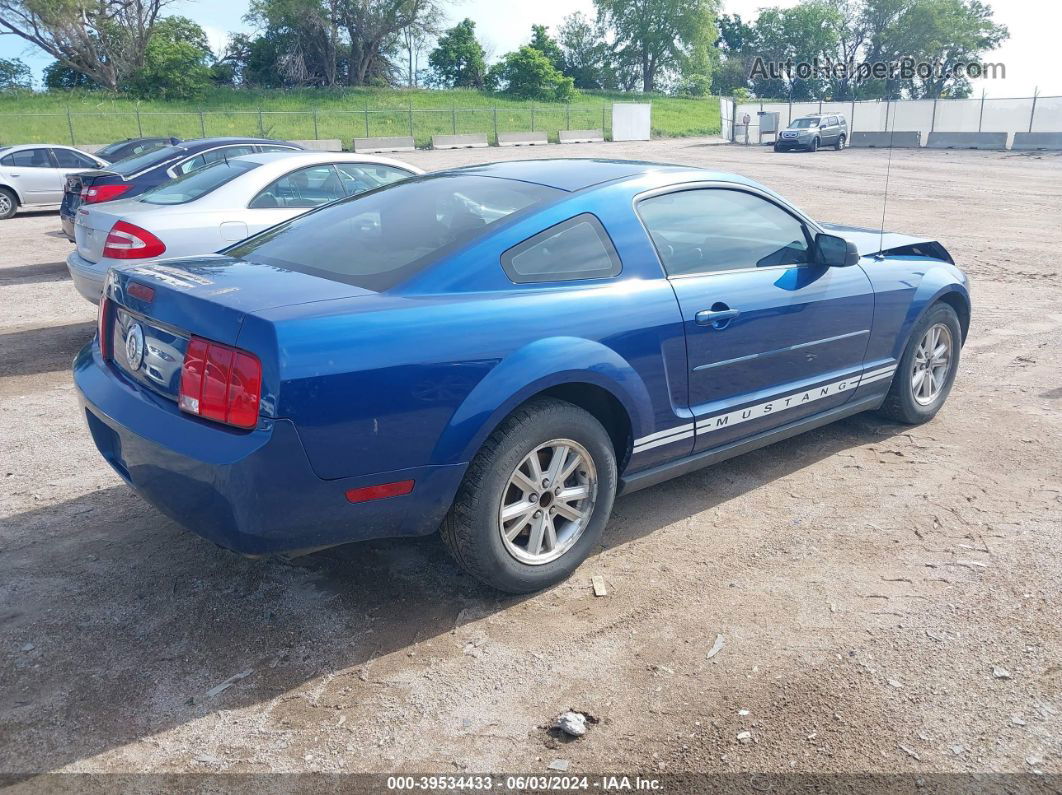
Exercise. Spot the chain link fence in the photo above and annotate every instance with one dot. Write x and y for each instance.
(81, 127)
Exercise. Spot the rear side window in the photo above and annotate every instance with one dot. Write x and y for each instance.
(578, 248)
(197, 184)
(69, 159)
(383, 237)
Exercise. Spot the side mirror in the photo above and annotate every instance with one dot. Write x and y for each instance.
(835, 252)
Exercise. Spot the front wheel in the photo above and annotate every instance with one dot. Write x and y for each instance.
(927, 368)
(840, 143)
(535, 498)
(814, 145)
(8, 204)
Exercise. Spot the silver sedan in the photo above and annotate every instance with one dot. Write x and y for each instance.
(32, 176)
(214, 207)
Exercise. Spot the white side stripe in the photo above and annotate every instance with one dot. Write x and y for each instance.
(708, 424)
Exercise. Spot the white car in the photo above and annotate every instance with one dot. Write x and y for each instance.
(215, 207)
(32, 176)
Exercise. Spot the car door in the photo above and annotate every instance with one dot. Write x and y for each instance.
(771, 336)
(34, 174)
(71, 162)
(293, 194)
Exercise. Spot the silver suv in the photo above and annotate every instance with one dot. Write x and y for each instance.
(32, 176)
(811, 132)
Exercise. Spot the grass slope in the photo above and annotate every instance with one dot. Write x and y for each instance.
(99, 118)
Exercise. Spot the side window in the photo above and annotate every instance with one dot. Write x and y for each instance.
(70, 159)
(275, 148)
(307, 187)
(718, 229)
(360, 177)
(578, 248)
(29, 158)
(213, 156)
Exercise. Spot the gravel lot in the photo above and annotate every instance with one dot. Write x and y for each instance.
(867, 578)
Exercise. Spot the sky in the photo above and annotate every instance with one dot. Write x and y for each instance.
(503, 25)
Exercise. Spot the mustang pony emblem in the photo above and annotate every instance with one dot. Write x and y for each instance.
(134, 346)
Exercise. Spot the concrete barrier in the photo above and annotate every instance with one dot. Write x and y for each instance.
(581, 136)
(906, 139)
(1026, 141)
(967, 140)
(401, 143)
(322, 145)
(472, 141)
(522, 139)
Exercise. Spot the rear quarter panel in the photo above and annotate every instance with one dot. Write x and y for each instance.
(420, 377)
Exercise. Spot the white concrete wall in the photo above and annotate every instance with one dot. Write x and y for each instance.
(631, 121)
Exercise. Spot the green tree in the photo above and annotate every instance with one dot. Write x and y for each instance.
(584, 51)
(528, 74)
(175, 62)
(14, 75)
(659, 34)
(458, 61)
(547, 45)
(60, 77)
(801, 34)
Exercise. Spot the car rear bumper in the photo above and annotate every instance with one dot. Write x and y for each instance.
(252, 492)
(88, 276)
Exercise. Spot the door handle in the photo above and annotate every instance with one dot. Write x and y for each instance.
(716, 318)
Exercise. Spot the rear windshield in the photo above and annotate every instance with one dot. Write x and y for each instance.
(136, 164)
(384, 237)
(199, 183)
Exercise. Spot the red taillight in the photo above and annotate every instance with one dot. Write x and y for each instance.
(128, 241)
(380, 492)
(102, 193)
(219, 382)
(102, 334)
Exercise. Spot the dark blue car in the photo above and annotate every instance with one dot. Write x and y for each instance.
(134, 175)
(500, 350)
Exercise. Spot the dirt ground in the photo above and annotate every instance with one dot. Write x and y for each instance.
(888, 596)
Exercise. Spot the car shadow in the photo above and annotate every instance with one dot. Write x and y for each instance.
(118, 624)
(42, 350)
(32, 274)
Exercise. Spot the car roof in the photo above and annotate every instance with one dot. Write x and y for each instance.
(574, 174)
(294, 158)
(197, 142)
(19, 147)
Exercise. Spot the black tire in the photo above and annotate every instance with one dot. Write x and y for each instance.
(814, 145)
(471, 530)
(8, 203)
(841, 139)
(900, 404)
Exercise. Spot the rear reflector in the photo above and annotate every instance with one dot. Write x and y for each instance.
(380, 492)
(141, 291)
(128, 241)
(102, 326)
(103, 193)
(220, 383)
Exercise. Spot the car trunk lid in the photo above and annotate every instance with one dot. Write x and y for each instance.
(153, 311)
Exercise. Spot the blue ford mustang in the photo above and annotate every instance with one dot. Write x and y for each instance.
(500, 350)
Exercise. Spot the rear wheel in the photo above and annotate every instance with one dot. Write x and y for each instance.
(8, 204)
(535, 498)
(927, 368)
(840, 143)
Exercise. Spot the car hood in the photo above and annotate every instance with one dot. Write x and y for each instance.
(873, 241)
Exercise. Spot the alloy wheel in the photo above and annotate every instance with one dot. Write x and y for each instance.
(932, 360)
(548, 502)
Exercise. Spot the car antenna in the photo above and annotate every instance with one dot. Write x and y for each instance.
(888, 168)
